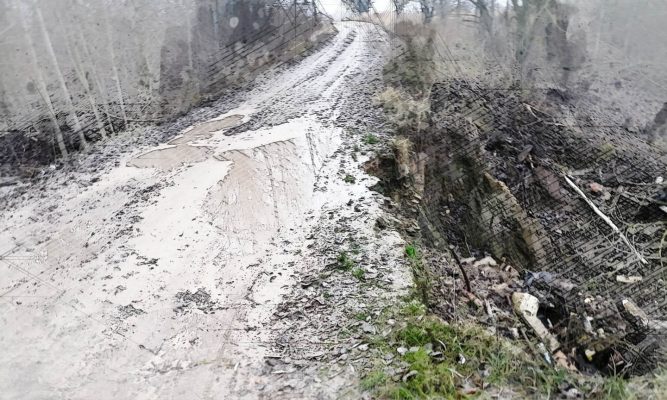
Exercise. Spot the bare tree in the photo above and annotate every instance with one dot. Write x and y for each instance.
(114, 68)
(74, 55)
(40, 83)
(59, 76)
(485, 14)
(94, 67)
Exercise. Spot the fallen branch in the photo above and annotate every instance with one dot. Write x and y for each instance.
(605, 218)
(662, 245)
(463, 271)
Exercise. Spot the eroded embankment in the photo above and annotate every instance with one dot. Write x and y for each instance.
(576, 209)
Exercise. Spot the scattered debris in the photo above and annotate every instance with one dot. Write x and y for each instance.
(129, 310)
(201, 300)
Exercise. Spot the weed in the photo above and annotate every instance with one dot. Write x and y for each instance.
(345, 262)
(411, 251)
(443, 358)
(373, 380)
(358, 273)
(615, 388)
(413, 308)
(419, 273)
(371, 139)
(349, 179)
(361, 316)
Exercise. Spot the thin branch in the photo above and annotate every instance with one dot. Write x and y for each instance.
(605, 218)
(463, 271)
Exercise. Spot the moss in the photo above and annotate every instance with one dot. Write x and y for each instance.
(607, 151)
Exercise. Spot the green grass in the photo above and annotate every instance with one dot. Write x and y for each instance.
(420, 275)
(438, 373)
(359, 273)
(413, 308)
(361, 316)
(615, 388)
(371, 139)
(436, 349)
(345, 262)
(349, 179)
(411, 251)
(373, 380)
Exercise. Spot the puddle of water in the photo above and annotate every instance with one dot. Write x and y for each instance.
(180, 152)
(264, 190)
(170, 157)
(207, 129)
(269, 186)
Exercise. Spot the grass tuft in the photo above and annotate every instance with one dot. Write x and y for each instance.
(373, 380)
(419, 273)
(615, 388)
(358, 273)
(442, 360)
(345, 262)
(371, 139)
(411, 251)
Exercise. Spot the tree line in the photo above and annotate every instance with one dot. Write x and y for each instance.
(76, 71)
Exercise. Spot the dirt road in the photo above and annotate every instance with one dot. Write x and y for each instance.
(159, 277)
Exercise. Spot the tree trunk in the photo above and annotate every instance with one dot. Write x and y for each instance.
(601, 24)
(87, 87)
(74, 55)
(41, 88)
(114, 69)
(104, 94)
(61, 78)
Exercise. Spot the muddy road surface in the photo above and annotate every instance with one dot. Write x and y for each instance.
(158, 276)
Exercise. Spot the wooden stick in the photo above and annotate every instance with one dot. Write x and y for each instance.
(605, 219)
(463, 271)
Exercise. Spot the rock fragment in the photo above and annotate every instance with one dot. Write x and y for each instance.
(628, 279)
(526, 306)
(633, 314)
